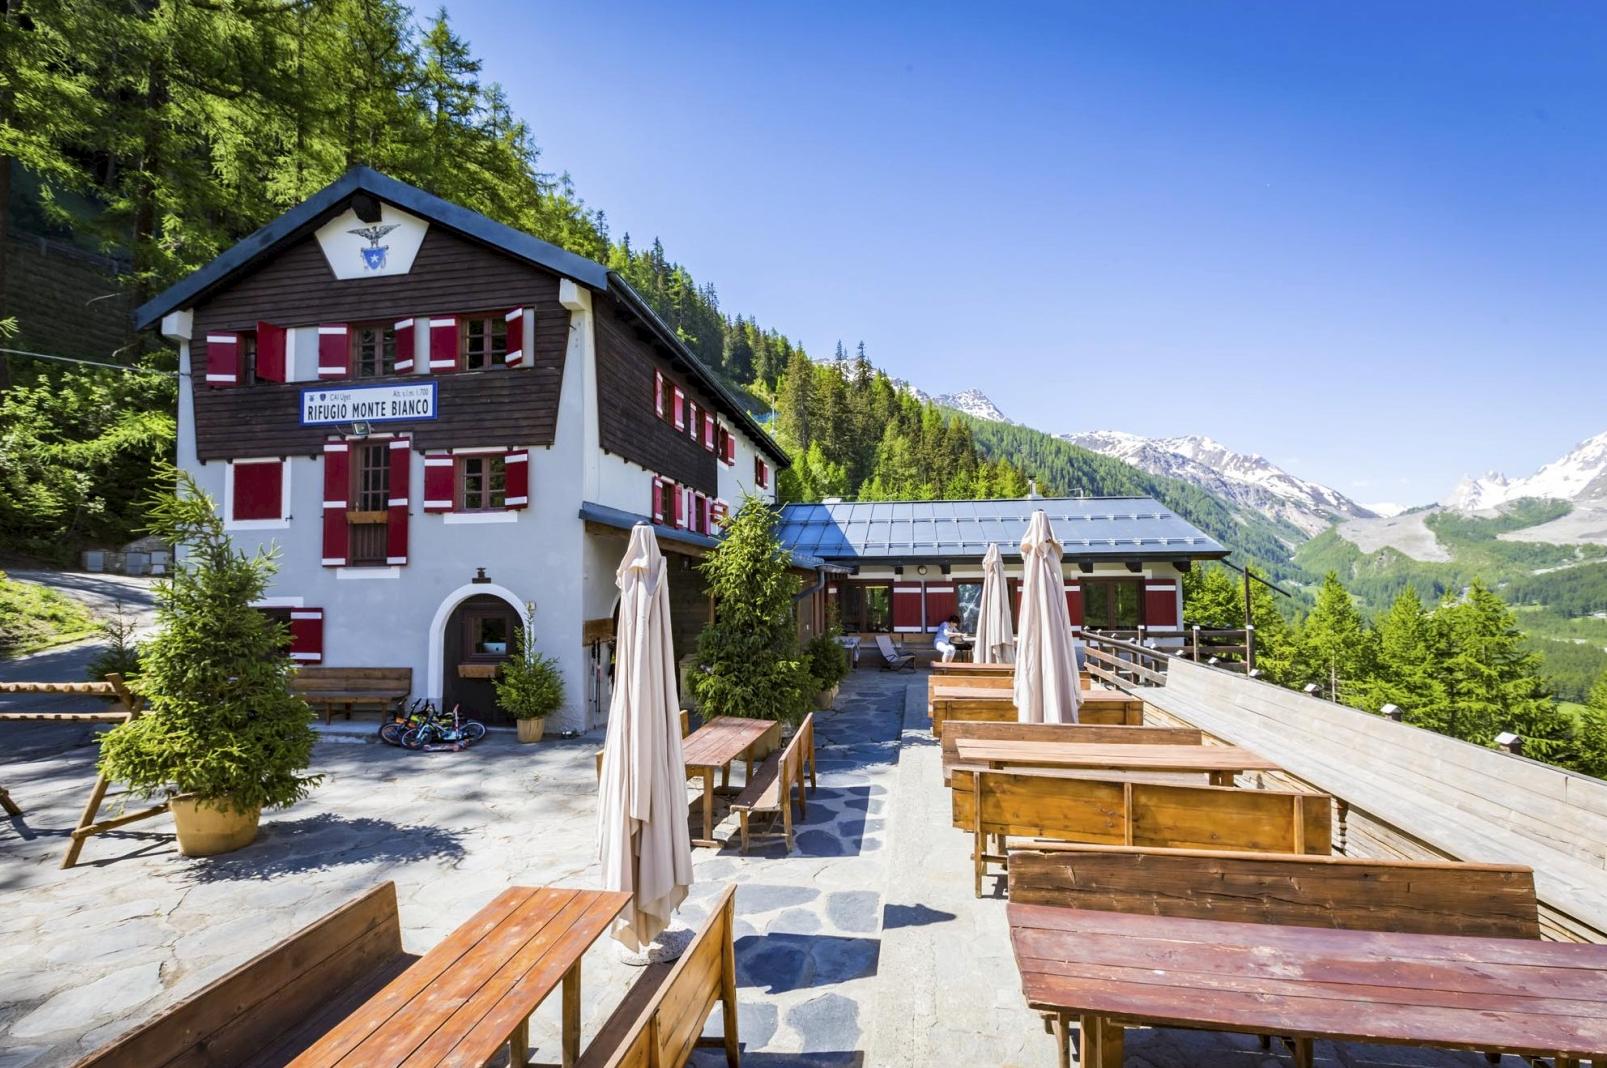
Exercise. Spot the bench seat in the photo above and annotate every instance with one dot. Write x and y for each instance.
(771, 790)
(348, 690)
(661, 1019)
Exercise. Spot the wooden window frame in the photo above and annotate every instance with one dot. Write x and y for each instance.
(471, 620)
(460, 478)
(1108, 584)
(354, 361)
(859, 590)
(496, 357)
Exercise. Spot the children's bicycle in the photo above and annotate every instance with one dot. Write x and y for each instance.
(420, 712)
(438, 731)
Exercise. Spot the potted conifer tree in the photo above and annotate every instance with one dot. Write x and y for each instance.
(828, 663)
(530, 687)
(222, 733)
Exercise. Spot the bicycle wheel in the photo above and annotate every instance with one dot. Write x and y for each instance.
(418, 737)
(391, 733)
(473, 731)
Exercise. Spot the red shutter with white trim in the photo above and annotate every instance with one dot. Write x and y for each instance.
(258, 489)
(693, 420)
(404, 346)
(516, 338)
(401, 454)
(680, 409)
(658, 394)
(307, 635)
(222, 360)
(700, 513)
(271, 352)
(1160, 605)
(334, 351)
(337, 467)
(941, 603)
(1074, 601)
(679, 504)
(438, 482)
(708, 431)
(907, 613)
(658, 500)
(443, 345)
(516, 470)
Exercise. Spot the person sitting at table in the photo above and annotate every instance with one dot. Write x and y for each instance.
(943, 642)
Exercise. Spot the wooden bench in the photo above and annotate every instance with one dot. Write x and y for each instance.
(771, 790)
(1049, 804)
(348, 690)
(661, 1019)
(987, 680)
(1096, 734)
(268, 1010)
(1099, 706)
(1345, 893)
(128, 707)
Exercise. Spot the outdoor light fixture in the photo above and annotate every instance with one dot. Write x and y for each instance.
(479, 578)
(1255, 673)
(1213, 660)
(1512, 743)
(366, 207)
(921, 570)
(1086, 566)
(1135, 566)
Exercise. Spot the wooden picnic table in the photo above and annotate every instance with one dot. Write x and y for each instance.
(954, 698)
(473, 994)
(716, 744)
(1500, 995)
(1220, 762)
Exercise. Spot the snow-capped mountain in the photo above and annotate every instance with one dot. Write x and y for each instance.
(1244, 478)
(972, 402)
(1581, 475)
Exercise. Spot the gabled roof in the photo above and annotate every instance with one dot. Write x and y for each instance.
(301, 220)
(1126, 528)
(620, 519)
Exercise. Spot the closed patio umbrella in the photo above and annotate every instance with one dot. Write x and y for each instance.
(1046, 665)
(642, 838)
(995, 637)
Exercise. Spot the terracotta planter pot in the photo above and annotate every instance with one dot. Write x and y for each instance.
(824, 699)
(206, 829)
(530, 730)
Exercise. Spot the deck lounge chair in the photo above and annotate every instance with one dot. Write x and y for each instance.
(892, 659)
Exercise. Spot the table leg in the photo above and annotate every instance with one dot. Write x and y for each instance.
(725, 777)
(1060, 1027)
(1219, 778)
(519, 1044)
(1101, 1043)
(708, 805)
(572, 1016)
(1305, 1052)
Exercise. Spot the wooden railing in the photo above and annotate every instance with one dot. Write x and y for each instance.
(1123, 663)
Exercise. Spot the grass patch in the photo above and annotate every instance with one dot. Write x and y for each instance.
(34, 618)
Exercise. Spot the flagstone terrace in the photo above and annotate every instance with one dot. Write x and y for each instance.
(864, 946)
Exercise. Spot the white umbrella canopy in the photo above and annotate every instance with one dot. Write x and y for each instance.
(995, 636)
(1046, 686)
(642, 838)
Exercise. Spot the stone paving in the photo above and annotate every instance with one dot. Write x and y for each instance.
(864, 946)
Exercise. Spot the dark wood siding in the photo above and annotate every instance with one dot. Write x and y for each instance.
(627, 425)
(451, 275)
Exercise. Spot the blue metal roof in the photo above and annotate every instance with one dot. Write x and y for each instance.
(1124, 527)
(316, 209)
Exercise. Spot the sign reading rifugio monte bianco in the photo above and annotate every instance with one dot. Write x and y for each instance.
(368, 404)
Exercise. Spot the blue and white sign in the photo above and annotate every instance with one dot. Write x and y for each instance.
(389, 403)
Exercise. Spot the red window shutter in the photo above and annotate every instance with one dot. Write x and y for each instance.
(1160, 605)
(700, 514)
(658, 500)
(679, 504)
(438, 488)
(271, 352)
(708, 431)
(907, 614)
(1074, 601)
(307, 635)
(941, 603)
(691, 417)
(222, 360)
(516, 338)
(443, 345)
(516, 466)
(334, 351)
(404, 346)
(337, 460)
(258, 489)
(718, 512)
(680, 409)
(658, 394)
(396, 513)
(730, 448)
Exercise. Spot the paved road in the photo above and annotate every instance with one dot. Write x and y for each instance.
(68, 663)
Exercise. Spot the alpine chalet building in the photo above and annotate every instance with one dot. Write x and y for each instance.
(441, 421)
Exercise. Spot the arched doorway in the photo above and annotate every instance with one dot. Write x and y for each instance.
(481, 632)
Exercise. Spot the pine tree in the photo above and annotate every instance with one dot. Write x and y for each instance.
(1591, 731)
(1335, 648)
(1492, 682)
(1409, 657)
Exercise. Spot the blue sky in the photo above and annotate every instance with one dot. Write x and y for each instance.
(1365, 240)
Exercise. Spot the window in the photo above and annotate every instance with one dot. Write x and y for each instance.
(281, 616)
(1113, 604)
(484, 343)
(968, 601)
(256, 490)
(482, 483)
(868, 607)
(488, 634)
(248, 359)
(761, 473)
(373, 350)
(369, 514)
(669, 500)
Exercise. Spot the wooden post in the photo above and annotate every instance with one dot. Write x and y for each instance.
(571, 1039)
(1196, 643)
(728, 987)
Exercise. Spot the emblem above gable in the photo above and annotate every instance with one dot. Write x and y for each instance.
(357, 249)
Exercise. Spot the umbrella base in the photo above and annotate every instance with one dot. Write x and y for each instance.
(668, 946)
